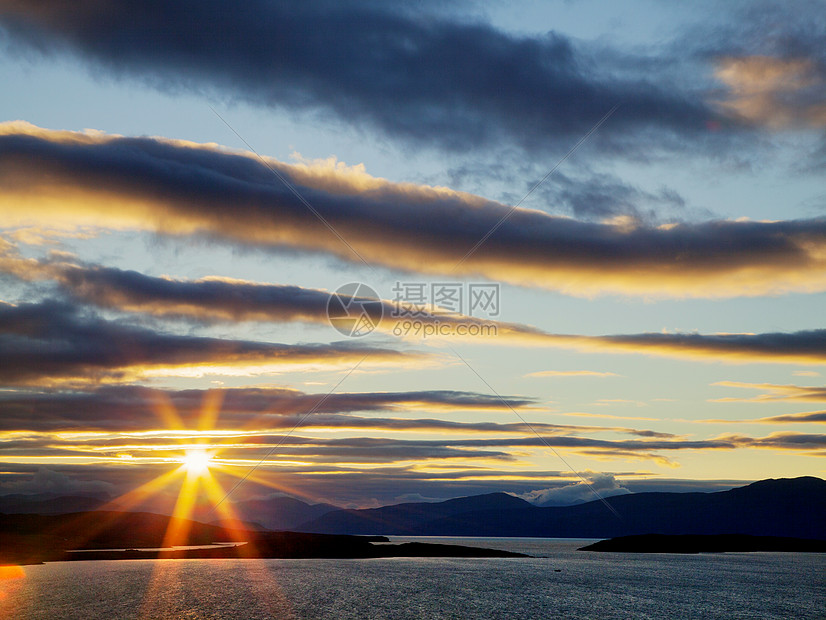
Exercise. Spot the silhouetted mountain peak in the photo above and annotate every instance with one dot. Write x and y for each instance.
(467, 503)
(801, 483)
(488, 500)
(281, 512)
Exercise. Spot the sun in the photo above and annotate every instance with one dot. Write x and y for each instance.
(197, 461)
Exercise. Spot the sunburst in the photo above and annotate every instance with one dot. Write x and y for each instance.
(197, 461)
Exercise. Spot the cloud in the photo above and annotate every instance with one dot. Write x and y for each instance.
(281, 453)
(601, 196)
(179, 188)
(343, 486)
(348, 486)
(774, 392)
(224, 300)
(802, 347)
(52, 342)
(599, 485)
(137, 408)
(418, 76)
(807, 417)
(277, 449)
(776, 92)
(810, 416)
(208, 299)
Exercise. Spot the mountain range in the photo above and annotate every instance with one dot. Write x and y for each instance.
(280, 512)
(784, 507)
(48, 503)
(793, 507)
(274, 513)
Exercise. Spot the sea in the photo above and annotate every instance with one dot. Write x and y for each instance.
(558, 582)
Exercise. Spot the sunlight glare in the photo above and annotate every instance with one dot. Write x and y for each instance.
(196, 461)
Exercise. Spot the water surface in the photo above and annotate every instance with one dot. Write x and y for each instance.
(560, 583)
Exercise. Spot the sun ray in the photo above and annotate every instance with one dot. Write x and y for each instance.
(210, 408)
(279, 485)
(178, 530)
(165, 410)
(138, 495)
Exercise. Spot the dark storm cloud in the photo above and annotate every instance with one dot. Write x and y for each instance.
(46, 342)
(425, 78)
(181, 188)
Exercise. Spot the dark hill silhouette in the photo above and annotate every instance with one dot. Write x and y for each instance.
(251, 526)
(410, 518)
(47, 504)
(33, 537)
(276, 513)
(280, 513)
(102, 529)
(784, 507)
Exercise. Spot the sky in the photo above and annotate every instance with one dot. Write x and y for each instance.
(588, 240)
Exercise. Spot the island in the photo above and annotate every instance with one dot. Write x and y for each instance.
(107, 535)
(720, 543)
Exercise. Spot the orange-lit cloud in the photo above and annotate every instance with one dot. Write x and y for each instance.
(181, 188)
(226, 300)
(818, 417)
(773, 392)
(808, 417)
(313, 454)
(774, 92)
(131, 408)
